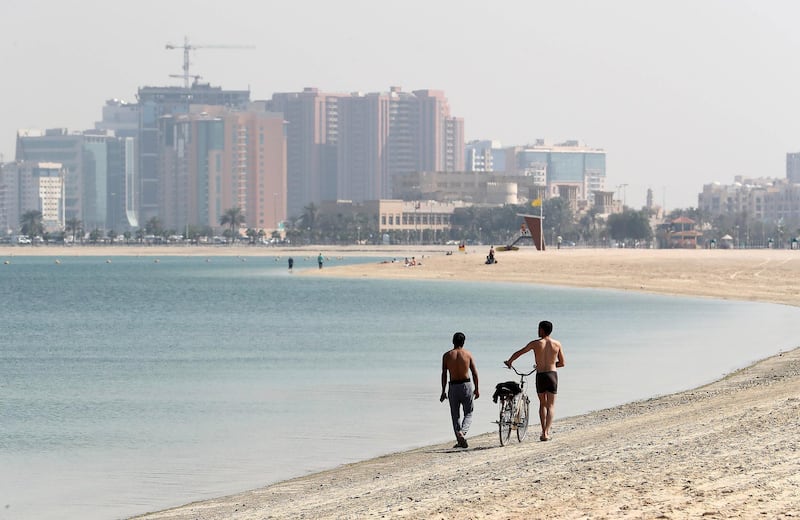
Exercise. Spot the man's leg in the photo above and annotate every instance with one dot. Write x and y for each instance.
(455, 409)
(460, 396)
(550, 406)
(468, 407)
(543, 414)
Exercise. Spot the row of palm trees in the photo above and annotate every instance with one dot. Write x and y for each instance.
(480, 224)
(32, 224)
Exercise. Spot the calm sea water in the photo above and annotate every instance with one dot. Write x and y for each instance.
(137, 385)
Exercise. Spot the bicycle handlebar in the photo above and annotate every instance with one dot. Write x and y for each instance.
(520, 373)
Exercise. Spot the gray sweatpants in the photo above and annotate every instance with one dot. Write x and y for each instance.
(460, 395)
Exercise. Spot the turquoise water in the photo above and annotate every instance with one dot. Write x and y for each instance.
(137, 385)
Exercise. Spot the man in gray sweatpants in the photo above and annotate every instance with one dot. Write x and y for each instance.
(459, 363)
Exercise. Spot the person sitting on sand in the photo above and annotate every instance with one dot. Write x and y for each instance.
(458, 362)
(549, 355)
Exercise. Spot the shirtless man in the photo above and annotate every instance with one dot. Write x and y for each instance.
(459, 363)
(549, 356)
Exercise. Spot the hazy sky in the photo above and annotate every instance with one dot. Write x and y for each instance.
(679, 93)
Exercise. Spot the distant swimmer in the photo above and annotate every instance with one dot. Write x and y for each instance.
(320, 259)
(291, 263)
(549, 356)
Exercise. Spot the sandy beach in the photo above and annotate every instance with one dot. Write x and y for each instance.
(726, 450)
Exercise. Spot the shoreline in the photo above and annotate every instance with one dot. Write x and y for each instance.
(727, 449)
(686, 455)
(766, 275)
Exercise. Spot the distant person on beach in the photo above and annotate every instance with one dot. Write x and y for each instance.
(291, 263)
(458, 363)
(549, 356)
(320, 259)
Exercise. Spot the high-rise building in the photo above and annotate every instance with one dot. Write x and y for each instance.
(568, 169)
(32, 186)
(311, 138)
(350, 146)
(440, 137)
(363, 153)
(484, 156)
(96, 164)
(120, 117)
(389, 134)
(793, 167)
(156, 102)
(61, 146)
(214, 159)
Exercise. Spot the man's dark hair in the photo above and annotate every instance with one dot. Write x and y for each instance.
(458, 339)
(546, 327)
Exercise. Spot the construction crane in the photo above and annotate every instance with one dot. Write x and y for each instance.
(190, 47)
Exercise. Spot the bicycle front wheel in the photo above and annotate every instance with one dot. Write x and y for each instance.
(523, 417)
(506, 416)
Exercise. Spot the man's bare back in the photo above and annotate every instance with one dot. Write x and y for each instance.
(457, 362)
(548, 354)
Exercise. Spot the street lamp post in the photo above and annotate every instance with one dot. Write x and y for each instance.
(275, 209)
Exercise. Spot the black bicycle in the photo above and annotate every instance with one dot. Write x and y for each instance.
(514, 407)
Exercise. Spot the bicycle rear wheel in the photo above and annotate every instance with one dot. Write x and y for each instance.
(523, 417)
(506, 414)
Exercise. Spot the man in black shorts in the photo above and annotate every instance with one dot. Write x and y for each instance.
(549, 356)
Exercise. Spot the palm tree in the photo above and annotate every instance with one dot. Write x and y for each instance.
(154, 227)
(251, 234)
(310, 216)
(31, 223)
(232, 218)
(72, 225)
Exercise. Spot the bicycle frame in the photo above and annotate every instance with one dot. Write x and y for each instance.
(515, 411)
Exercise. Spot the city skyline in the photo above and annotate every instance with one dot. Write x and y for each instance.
(678, 94)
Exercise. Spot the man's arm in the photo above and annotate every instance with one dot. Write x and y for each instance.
(560, 360)
(444, 380)
(515, 355)
(474, 371)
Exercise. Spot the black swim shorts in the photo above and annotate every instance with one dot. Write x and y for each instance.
(547, 382)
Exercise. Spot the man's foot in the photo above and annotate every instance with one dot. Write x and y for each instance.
(544, 437)
(462, 441)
